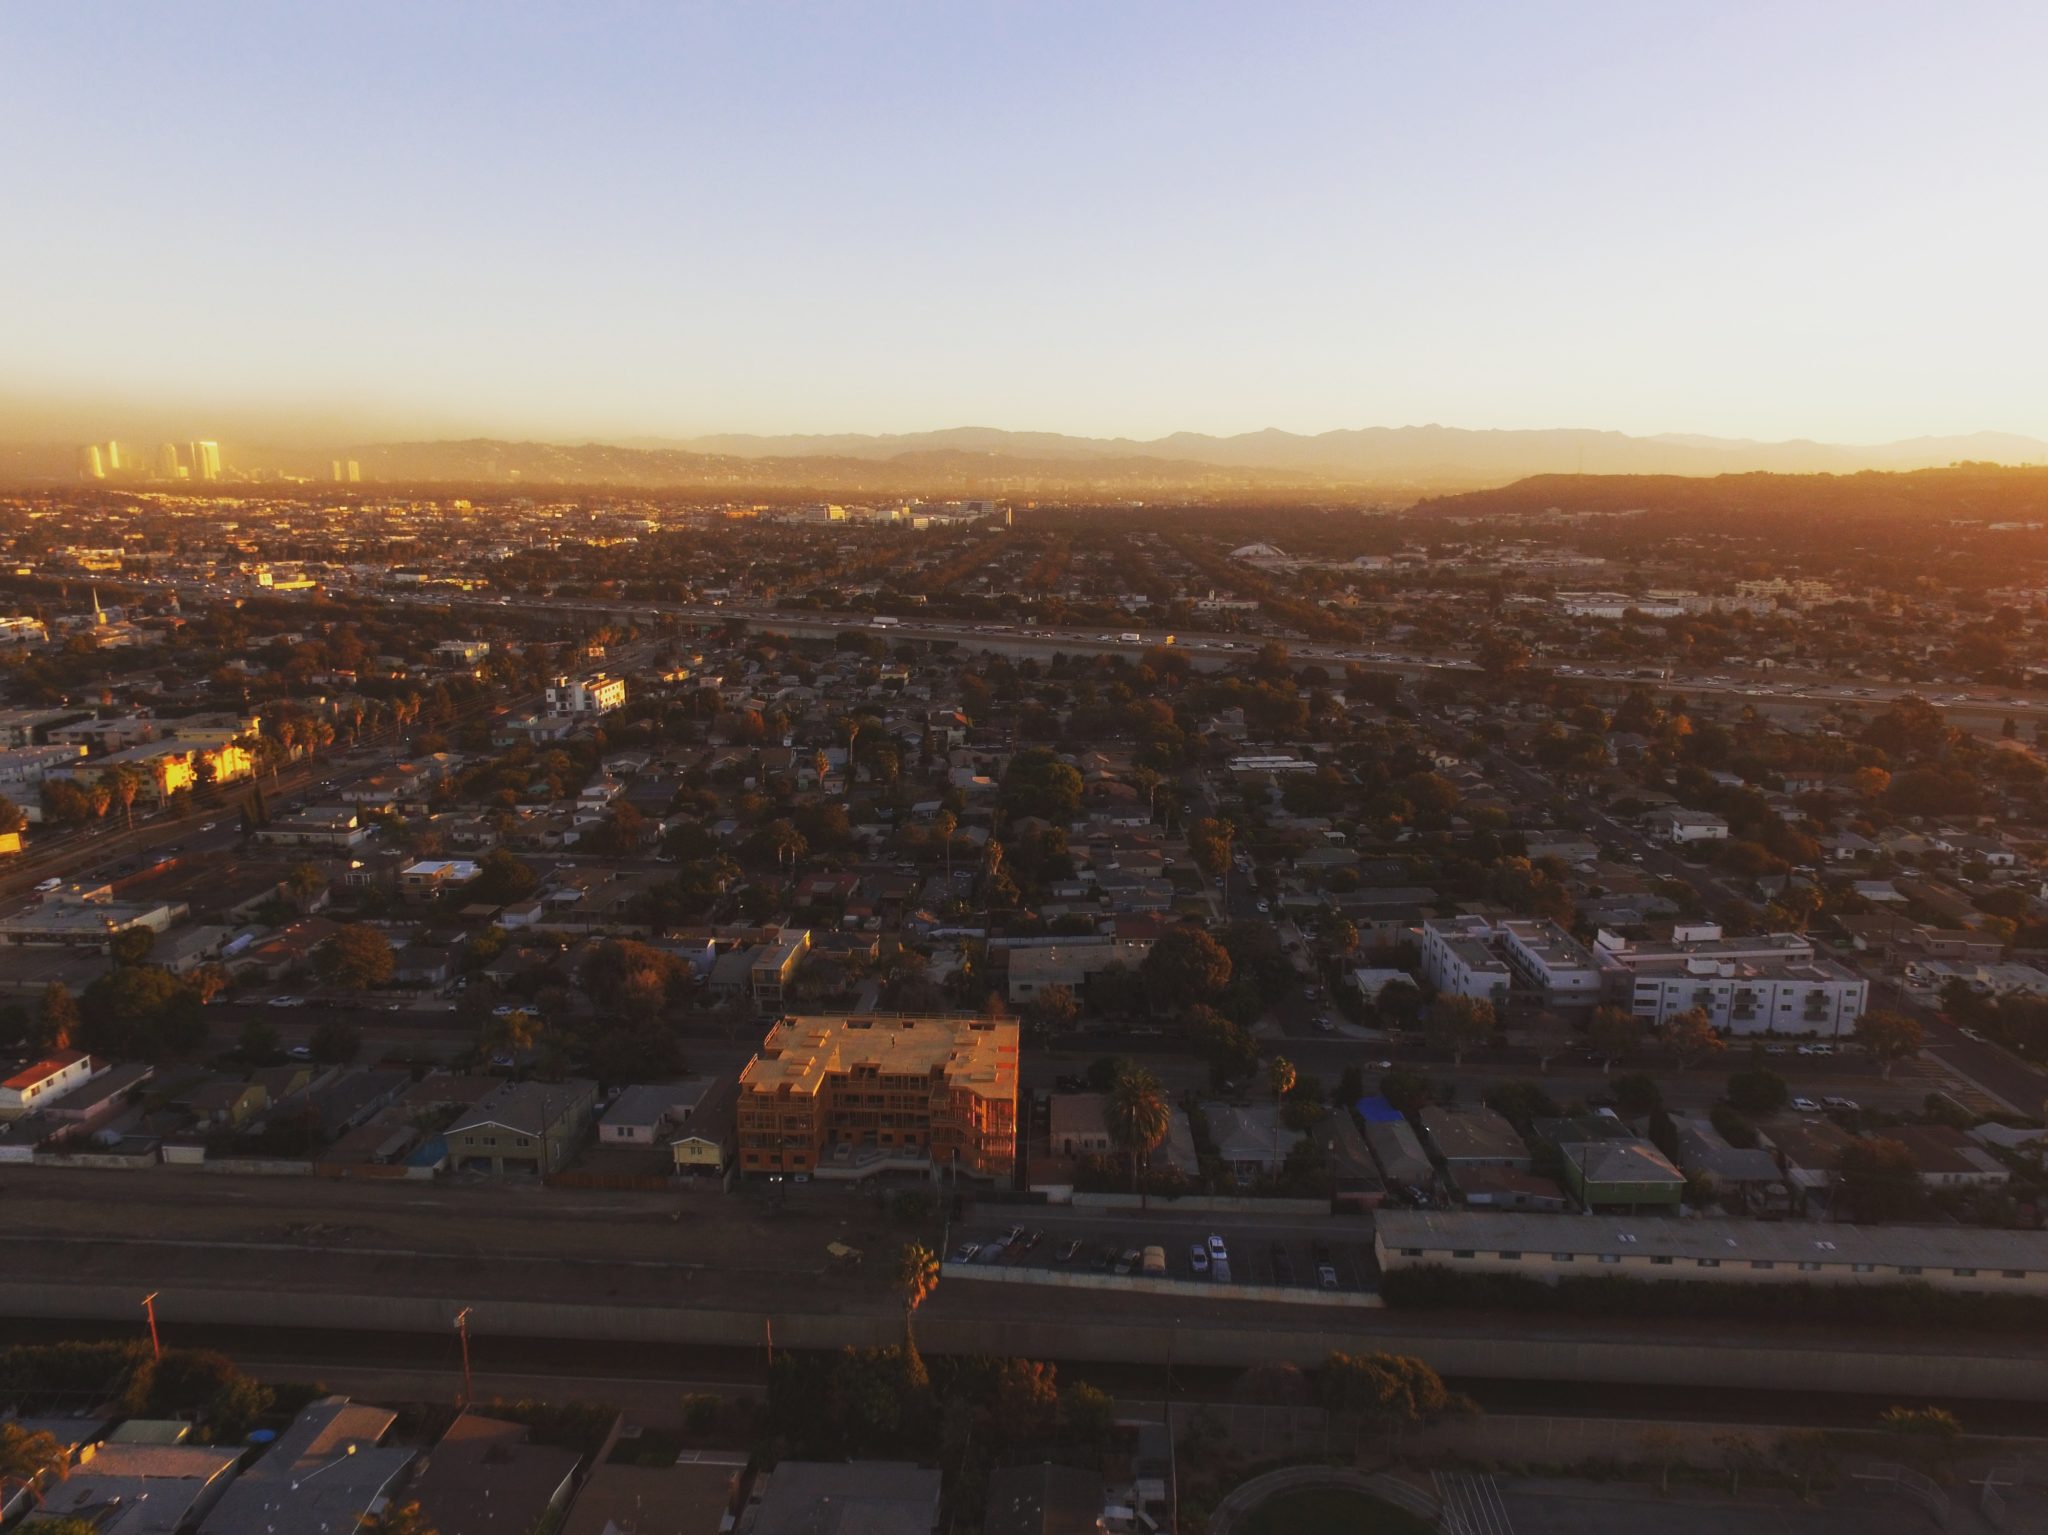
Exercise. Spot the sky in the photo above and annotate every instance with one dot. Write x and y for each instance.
(1113, 218)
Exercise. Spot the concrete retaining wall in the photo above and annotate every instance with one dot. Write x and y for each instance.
(1177, 1289)
(1202, 1204)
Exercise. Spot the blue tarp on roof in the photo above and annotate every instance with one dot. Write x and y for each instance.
(1375, 1110)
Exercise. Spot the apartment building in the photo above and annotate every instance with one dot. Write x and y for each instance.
(833, 1090)
(597, 693)
(1473, 956)
(1457, 961)
(1769, 984)
(772, 968)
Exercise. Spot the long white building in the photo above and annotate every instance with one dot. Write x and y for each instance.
(1773, 983)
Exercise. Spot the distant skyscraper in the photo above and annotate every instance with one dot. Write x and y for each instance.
(205, 460)
(347, 472)
(113, 456)
(167, 465)
(89, 465)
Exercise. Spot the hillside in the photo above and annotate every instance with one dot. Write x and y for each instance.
(1966, 492)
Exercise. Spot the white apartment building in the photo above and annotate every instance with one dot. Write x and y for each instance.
(1551, 959)
(1457, 961)
(1474, 956)
(1769, 984)
(598, 693)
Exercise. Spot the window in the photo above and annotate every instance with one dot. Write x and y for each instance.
(1862, 1268)
(1762, 1263)
(1966, 1273)
(1661, 1260)
(1561, 1257)
(1904, 1268)
(1511, 1257)
(2015, 1273)
(1610, 1257)
(1810, 1267)
(1464, 1252)
(1411, 1252)
(1710, 1263)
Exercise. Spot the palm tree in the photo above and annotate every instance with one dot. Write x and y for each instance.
(917, 1275)
(945, 823)
(1138, 1116)
(123, 784)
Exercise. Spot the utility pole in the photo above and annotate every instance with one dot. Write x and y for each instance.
(462, 1331)
(1172, 1448)
(156, 1347)
(768, 1333)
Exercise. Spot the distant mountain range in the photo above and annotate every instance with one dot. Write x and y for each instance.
(1420, 455)
(1393, 464)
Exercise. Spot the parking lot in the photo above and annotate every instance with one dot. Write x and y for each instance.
(1333, 1255)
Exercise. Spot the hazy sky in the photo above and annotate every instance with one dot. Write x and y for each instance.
(1766, 220)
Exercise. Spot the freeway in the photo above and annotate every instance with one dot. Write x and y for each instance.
(1775, 685)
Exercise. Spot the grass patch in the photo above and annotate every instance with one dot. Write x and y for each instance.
(1332, 1511)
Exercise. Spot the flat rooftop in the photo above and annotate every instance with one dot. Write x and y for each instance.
(800, 1054)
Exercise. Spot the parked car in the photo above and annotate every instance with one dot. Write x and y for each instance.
(1845, 1104)
(1067, 1251)
(1217, 1247)
(1198, 1258)
(1805, 1106)
(1326, 1276)
(1154, 1263)
(1128, 1260)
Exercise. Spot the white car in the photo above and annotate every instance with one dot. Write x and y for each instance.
(44, 887)
(1217, 1249)
(1835, 1102)
(1806, 1105)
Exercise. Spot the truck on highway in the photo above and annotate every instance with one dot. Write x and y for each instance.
(1130, 637)
(883, 623)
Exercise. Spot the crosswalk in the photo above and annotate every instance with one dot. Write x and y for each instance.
(1472, 1504)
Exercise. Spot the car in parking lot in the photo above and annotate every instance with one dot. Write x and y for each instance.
(1834, 1101)
(1805, 1106)
(1198, 1258)
(1067, 1251)
(1128, 1260)
(1217, 1247)
(1326, 1276)
(1816, 1049)
(966, 1252)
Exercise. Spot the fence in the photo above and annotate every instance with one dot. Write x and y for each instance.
(1919, 1489)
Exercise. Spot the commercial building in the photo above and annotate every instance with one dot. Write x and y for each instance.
(937, 1088)
(431, 876)
(1552, 1247)
(529, 1127)
(162, 768)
